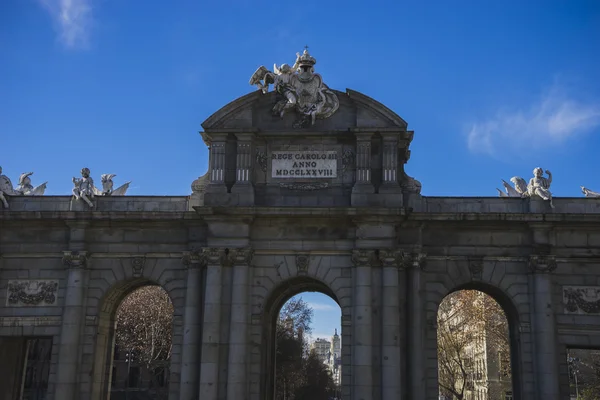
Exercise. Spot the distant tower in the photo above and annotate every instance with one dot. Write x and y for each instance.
(335, 362)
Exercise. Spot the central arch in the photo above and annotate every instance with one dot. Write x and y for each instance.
(280, 295)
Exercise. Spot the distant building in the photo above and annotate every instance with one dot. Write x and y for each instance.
(322, 348)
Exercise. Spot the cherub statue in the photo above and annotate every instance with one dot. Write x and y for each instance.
(84, 187)
(538, 186)
(589, 193)
(25, 187)
(107, 187)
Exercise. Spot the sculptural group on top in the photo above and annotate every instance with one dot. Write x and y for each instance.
(84, 187)
(302, 90)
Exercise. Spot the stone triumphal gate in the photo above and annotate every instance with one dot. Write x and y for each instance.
(306, 191)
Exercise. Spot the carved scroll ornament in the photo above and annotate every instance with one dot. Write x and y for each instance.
(32, 293)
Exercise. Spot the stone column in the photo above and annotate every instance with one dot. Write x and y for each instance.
(243, 170)
(545, 327)
(362, 353)
(237, 385)
(363, 164)
(390, 346)
(389, 169)
(71, 329)
(211, 327)
(188, 387)
(413, 262)
(218, 148)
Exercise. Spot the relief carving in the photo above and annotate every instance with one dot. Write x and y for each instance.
(581, 299)
(304, 186)
(302, 261)
(137, 264)
(32, 292)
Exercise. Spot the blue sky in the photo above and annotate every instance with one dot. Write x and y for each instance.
(327, 315)
(491, 89)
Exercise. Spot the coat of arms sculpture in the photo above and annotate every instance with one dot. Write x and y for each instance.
(302, 90)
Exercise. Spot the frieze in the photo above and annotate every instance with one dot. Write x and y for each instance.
(304, 186)
(581, 299)
(6, 322)
(32, 293)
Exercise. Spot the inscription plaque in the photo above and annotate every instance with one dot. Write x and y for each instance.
(304, 164)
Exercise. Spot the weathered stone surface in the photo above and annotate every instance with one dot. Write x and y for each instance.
(541, 264)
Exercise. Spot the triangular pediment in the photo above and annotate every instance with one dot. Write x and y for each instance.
(253, 113)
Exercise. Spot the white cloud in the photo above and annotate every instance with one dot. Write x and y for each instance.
(73, 20)
(553, 119)
(321, 307)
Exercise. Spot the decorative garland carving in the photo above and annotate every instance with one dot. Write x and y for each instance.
(304, 186)
(302, 262)
(582, 299)
(348, 159)
(261, 160)
(32, 293)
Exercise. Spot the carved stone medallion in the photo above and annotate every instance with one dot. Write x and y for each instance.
(32, 293)
(137, 264)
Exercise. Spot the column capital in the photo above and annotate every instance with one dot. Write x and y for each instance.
(364, 258)
(215, 255)
(539, 263)
(390, 257)
(194, 259)
(415, 260)
(240, 256)
(75, 259)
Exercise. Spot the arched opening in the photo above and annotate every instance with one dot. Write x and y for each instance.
(477, 338)
(303, 347)
(134, 341)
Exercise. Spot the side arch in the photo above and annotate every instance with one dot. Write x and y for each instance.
(108, 288)
(513, 314)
